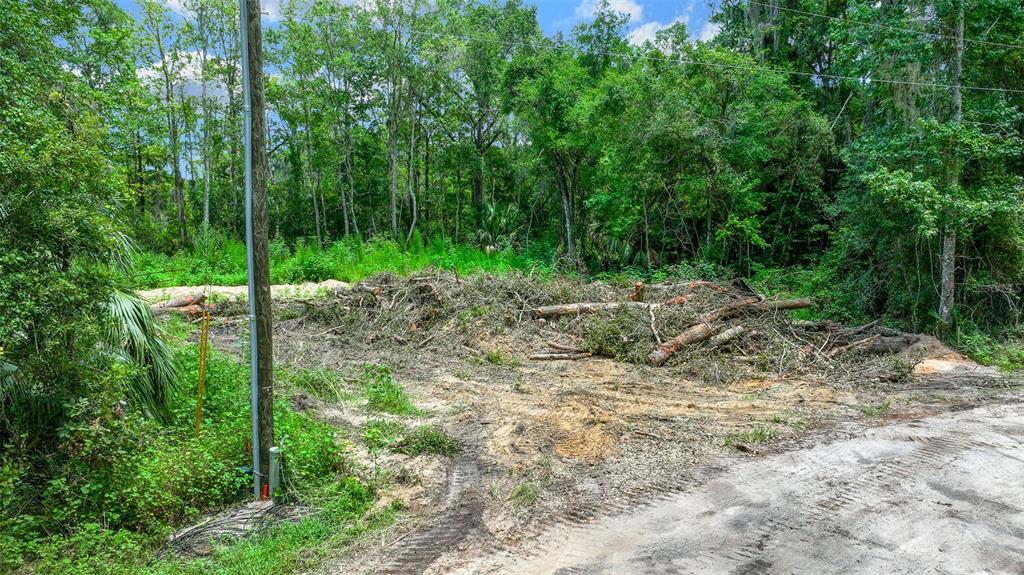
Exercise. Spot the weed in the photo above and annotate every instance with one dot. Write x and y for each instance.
(324, 384)
(494, 489)
(788, 419)
(495, 357)
(524, 494)
(380, 434)
(876, 410)
(427, 439)
(758, 434)
(384, 393)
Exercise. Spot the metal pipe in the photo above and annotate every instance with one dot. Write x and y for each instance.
(275, 471)
(243, 18)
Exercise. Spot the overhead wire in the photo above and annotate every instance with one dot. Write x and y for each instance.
(722, 65)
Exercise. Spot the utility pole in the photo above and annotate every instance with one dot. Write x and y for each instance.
(948, 275)
(256, 229)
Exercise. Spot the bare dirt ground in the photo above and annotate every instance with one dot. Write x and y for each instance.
(940, 494)
(561, 452)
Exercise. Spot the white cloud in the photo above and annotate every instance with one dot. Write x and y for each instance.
(271, 8)
(646, 32)
(709, 31)
(631, 8)
(188, 70)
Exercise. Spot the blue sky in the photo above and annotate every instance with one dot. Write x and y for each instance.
(646, 16)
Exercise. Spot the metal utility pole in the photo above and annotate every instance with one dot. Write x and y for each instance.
(256, 232)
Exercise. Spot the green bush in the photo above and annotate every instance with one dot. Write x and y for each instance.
(139, 479)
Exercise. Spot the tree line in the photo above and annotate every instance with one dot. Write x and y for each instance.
(878, 144)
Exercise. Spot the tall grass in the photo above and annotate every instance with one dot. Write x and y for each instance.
(217, 260)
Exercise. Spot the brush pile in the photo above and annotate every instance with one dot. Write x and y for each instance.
(714, 331)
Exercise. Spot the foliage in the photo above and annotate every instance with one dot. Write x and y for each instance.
(121, 480)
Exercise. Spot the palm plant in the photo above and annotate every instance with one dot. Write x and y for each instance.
(133, 336)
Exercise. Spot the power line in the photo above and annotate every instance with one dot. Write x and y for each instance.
(886, 26)
(730, 66)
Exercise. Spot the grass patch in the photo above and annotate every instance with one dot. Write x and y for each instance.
(324, 384)
(295, 547)
(427, 439)
(380, 434)
(876, 410)
(754, 435)
(788, 419)
(496, 357)
(219, 260)
(524, 494)
(383, 393)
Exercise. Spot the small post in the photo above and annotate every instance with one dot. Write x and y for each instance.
(275, 471)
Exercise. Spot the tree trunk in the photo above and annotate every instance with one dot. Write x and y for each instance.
(947, 294)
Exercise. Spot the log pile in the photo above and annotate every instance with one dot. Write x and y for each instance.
(709, 330)
(723, 324)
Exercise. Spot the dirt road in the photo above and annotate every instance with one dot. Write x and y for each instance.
(943, 494)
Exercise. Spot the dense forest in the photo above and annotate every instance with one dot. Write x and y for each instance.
(866, 153)
(869, 141)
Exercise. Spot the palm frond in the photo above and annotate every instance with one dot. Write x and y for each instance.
(134, 335)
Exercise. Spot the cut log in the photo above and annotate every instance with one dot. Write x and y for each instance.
(194, 299)
(638, 292)
(699, 332)
(726, 336)
(860, 343)
(564, 348)
(689, 294)
(582, 308)
(559, 355)
(783, 304)
(693, 334)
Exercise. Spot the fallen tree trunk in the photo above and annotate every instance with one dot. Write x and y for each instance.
(558, 355)
(784, 304)
(587, 307)
(693, 334)
(867, 342)
(597, 307)
(699, 332)
(194, 299)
